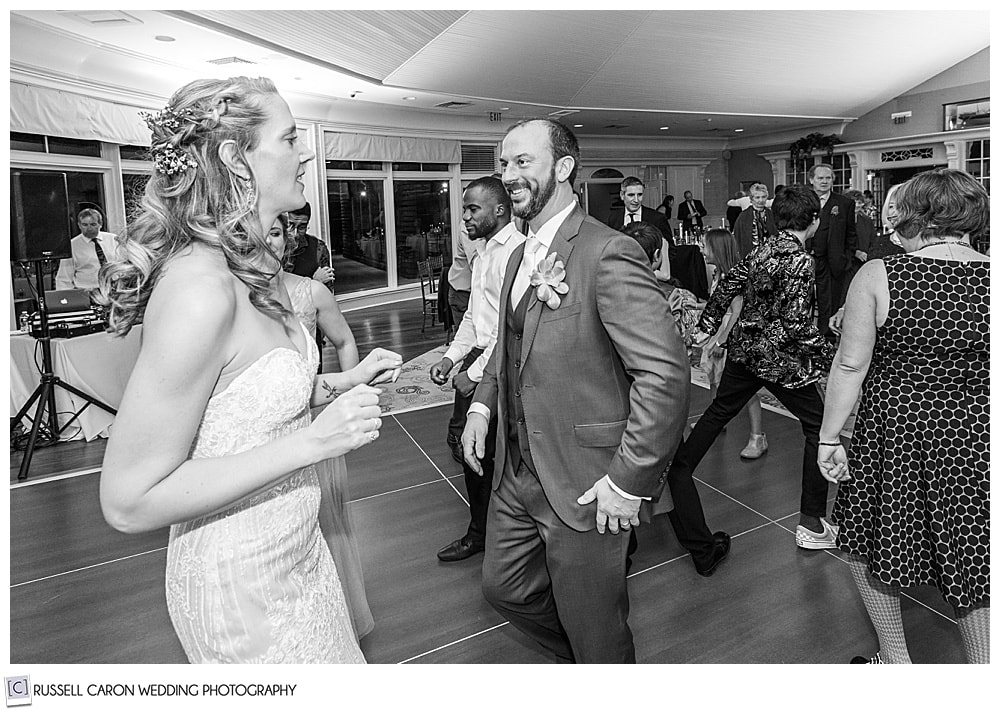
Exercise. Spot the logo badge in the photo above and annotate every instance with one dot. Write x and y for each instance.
(18, 690)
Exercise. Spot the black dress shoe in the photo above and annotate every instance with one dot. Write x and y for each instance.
(459, 550)
(455, 444)
(719, 553)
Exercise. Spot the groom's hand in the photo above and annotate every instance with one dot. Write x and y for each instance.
(614, 511)
(474, 440)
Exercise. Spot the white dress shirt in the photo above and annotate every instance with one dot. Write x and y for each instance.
(638, 217)
(80, 272)
(460, 271)
(480, 324)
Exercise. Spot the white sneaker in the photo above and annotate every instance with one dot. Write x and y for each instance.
(804, 538)
(755, 447)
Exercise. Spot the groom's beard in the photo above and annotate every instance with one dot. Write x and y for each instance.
(540, 194)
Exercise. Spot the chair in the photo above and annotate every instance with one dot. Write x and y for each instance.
(430, 271)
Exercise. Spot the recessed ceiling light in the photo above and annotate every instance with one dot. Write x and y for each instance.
(505, 108)
(577, 125)
(664, 128)
(409, 98)
(738, 130)
(164, 38)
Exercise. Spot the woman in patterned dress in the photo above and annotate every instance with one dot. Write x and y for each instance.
(214, 435)
(913, 495)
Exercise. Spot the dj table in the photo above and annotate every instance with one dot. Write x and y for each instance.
(98, 364)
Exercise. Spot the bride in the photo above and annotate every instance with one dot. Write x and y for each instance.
(214, 435)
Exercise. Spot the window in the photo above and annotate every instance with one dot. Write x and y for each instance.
(967, 114)
(841, 163)
(54, 144)
(423, 224)
(357, 234)
(977, 161)
(421, 167)
(134, 152)
(353, 165)
(797, 172)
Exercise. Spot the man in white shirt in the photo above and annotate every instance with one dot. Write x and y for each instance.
(589, 382)
(91, 249)
(459, 291)
(486, 216)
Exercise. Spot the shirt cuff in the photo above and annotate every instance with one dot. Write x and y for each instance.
(481, 409)
(620, 492)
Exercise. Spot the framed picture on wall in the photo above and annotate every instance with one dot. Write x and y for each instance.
(967, 114)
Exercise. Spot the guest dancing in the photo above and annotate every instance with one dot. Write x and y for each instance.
(913, 499)
(774, 345)
(214, 435)
(313, 303)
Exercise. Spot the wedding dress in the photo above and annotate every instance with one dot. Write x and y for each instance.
(334, 514)
(256, 583)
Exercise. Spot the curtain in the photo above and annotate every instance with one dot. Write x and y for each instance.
(365, 146)
(50, 112)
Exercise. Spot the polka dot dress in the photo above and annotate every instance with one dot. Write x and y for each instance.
(917, 506)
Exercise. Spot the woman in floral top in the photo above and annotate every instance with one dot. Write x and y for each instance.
(775, 344)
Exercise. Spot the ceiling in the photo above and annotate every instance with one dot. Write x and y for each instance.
(700, 73)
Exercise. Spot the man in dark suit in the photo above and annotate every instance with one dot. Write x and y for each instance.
(755, 223)
(690, 212)
(590, 382)
(634, 211)
(833, 245)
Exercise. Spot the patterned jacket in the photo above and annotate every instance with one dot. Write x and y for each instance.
(775, 337)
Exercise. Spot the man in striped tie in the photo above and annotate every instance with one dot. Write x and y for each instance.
(91, 249)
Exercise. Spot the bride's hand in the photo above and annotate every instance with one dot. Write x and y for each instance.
(351, 421)
(379, 366)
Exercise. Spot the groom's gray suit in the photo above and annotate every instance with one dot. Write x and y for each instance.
(598, 386)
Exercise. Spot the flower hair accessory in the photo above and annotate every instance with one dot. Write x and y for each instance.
(547, 278)
(167, 157)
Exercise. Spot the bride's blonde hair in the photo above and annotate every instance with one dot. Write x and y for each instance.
(193, 197)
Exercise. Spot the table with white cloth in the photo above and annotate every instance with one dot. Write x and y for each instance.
(98, 364)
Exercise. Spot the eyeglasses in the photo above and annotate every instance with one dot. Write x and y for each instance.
(298, 226)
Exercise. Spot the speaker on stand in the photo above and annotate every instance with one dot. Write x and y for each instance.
(41, 225)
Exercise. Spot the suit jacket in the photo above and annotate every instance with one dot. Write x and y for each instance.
(604, 378)
(616, 221)
(743, 229)
(836, 239)
(688, 218)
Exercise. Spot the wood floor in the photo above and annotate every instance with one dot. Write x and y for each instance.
(81, 592)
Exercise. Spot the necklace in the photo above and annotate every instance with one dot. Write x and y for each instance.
(950, 243)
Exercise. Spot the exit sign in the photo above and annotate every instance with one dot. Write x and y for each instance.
(496, 116)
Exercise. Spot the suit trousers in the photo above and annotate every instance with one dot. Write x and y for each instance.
(562, 587)
(737, 386)
(830, 293)
(477, 486)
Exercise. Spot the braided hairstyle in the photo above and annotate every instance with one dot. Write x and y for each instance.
(193, 197)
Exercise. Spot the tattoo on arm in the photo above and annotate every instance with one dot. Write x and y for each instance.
(330, 391)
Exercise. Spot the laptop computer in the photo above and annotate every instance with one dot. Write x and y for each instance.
(67, 301)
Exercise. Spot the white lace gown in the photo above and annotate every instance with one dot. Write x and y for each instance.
(256, 583)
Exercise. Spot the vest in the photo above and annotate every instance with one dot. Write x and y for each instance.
(517, 431)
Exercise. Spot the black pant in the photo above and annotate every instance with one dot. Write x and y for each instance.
(478, 487)
(830, 293)
(737, 386)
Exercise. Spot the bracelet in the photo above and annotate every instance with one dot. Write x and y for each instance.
(831, 444)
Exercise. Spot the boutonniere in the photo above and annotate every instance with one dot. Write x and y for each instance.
(547, 278)
(835, 210)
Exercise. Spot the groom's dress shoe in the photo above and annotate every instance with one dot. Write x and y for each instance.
(459, 550)
(455, 445)
(719, 553)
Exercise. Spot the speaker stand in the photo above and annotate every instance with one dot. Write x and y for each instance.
(45, 392)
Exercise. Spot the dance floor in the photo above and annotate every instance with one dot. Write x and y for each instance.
(81, 592)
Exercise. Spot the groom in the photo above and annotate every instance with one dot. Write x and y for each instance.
(591, 390)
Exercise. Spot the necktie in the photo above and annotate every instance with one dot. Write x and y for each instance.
(631, 217)
(102, 260)
(523, 277)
